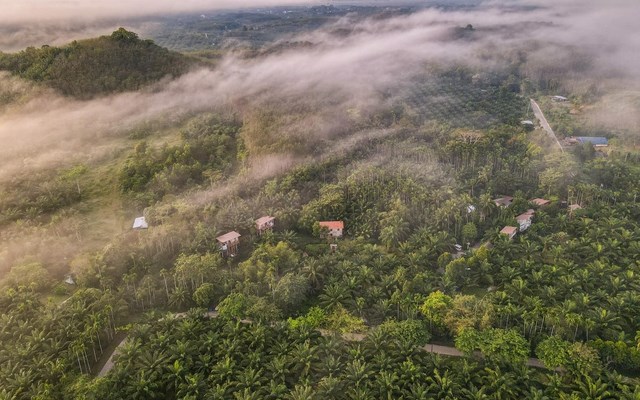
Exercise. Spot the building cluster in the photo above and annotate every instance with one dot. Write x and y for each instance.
(524, 220)
(229, 242)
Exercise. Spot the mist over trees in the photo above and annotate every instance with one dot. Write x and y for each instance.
(402, 123)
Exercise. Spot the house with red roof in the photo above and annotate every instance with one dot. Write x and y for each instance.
(335, 227)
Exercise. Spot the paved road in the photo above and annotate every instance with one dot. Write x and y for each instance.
(543, 122)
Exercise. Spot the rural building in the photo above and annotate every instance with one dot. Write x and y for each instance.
(573, 208)
(229, 243)
(596, 141)
(140, 223)
(504, 201)
(264, 224)
(471, 208)
(559, 98)
(68, 279)
(524, 220)
(335, 227)
(540, 202)
(510, 231)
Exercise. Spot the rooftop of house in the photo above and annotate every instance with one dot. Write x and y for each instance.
(228, 237)
(504, 200)
(140, 223)
(332, 224)
(264, 220)
(509, 230)
(594, 140)
(540, 202)
(525, 216)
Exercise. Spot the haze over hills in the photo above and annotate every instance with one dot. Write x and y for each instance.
(458, 217)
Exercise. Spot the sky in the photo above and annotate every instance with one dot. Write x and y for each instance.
(21, 11)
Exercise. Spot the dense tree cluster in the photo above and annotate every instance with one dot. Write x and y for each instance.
(199, 358)
(209, 147)
(87, 68)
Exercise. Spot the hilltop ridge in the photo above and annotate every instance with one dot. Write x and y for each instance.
(88, 68)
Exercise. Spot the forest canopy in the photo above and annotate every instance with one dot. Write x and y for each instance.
(88, 68)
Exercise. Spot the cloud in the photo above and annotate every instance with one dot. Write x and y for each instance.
(338, 70)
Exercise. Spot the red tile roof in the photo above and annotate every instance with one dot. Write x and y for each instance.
(332, 224)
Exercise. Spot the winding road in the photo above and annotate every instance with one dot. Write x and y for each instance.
(544, 123)
(352, 337)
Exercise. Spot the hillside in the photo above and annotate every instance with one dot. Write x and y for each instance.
(136, 263)
(88, 68)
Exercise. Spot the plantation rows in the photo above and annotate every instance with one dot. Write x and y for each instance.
(463, 104)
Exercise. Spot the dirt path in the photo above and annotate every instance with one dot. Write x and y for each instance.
(543, 122)
(352, 337)
(109, 364)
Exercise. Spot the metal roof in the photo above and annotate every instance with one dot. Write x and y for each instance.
(594, 140)
(140, 223)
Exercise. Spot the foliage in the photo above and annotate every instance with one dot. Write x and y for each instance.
(198, 357)
(410, 332)
(32, 276)
(434, 309)
(340, 320)
(494, 344)
(207, 150)
(204, 295)
(43, 347)
(553, 352)
(86, 68)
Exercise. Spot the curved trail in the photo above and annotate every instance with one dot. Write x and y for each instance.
(351, 337)
(543, 122)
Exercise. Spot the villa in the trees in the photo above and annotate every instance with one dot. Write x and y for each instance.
(335, 227)
(264, 224)
(540, 202)
(525, 219)
(229, 243)
(504, 201)
(510, 231)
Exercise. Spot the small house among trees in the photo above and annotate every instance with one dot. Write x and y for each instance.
(504, 201)
(596, 141)
(540, 202)
(524, 220)
(573, 208)
(229, 243)
(264, 224)
(559, 98)
(335, 228)
(510, 231)
(140, 223)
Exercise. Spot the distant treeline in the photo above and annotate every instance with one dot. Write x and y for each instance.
(88, 68)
